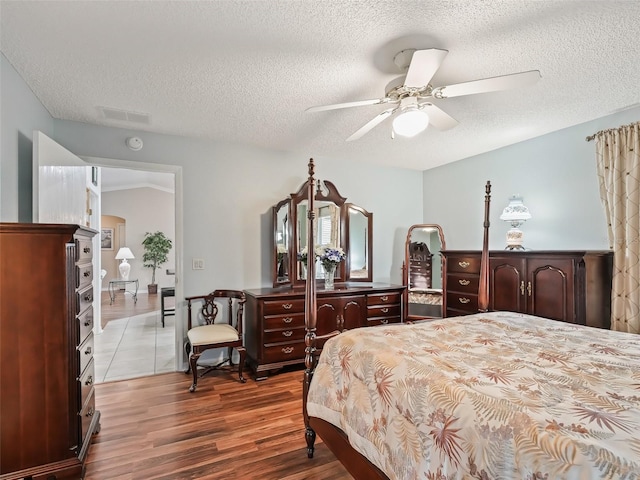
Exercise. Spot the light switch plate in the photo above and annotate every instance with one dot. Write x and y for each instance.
(198, 264)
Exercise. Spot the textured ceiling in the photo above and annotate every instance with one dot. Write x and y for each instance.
(245, 71)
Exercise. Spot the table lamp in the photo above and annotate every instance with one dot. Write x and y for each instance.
(516, 214)
(124, 254)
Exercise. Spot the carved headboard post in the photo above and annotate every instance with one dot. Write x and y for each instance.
(310, 309)
(483, 289)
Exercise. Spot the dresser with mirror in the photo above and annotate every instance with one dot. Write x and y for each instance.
(274, 315)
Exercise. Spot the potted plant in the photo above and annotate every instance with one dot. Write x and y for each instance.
(156, 250)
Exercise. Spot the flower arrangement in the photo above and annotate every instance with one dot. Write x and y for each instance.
(329, 256)
(302, 256)
(281, 250)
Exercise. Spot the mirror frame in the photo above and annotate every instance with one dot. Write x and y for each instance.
(326, 191)
(277, 280)
(405, 265)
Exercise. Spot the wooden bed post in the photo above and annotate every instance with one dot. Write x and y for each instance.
(483, 289)
(310, 308)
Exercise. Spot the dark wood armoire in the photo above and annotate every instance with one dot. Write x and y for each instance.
(47, 404)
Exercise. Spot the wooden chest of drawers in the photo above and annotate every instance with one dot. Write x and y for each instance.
(274, 319)
(47, 406)
(570, 286)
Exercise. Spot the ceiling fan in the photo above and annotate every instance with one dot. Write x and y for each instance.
(411, 96)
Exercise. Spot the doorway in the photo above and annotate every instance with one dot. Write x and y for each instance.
(132, 341)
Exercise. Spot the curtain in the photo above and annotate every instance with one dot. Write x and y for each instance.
(618, 165)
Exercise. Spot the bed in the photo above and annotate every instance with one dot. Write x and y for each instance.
(486, 396)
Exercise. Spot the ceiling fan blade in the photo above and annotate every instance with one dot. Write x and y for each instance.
(370, 124)
(423, 66)
(485, 85)
(359, 103)
(437, 117)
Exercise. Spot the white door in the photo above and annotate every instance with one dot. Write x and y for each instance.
(63, 192)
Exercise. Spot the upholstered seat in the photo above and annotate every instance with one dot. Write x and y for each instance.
(213, 335)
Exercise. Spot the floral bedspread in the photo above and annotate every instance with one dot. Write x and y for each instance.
(488, 396)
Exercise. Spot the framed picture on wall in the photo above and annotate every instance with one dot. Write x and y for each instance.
(106, 239)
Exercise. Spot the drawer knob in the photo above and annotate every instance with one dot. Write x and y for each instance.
(88, 297)
(86, 274)
(384, 310)
(87, 321)
(384, 321)
(287, 319)
(464, 300)
(384, 298)
(87, 351)
(89, 380)
(287, 350)
(287, 333)
(90, 412)
(464, 282)
(86, 249)
(287, 306)
(464, 264)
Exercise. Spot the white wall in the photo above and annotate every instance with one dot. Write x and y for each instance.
(20, 114)
(144, 210)
(555, 174)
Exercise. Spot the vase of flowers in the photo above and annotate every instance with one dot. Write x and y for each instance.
(302, 258)
(329, 257)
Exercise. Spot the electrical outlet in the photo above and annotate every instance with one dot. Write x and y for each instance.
(198, 264)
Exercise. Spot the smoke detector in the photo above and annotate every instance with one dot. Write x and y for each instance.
(134, 143)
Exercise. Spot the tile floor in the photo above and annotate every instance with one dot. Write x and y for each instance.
(135, 346)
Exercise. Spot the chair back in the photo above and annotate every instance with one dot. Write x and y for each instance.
(235, 300)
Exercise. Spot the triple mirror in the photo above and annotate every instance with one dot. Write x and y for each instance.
(423, 271)
(337, 223)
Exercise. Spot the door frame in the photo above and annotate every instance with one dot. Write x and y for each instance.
(176, 170)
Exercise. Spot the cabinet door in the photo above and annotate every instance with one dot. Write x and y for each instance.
(550, 288)
(340, 313)
(507, 287)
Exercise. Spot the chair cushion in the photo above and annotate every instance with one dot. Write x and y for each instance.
(216, 333)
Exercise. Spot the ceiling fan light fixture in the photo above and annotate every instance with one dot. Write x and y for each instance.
(411, 122)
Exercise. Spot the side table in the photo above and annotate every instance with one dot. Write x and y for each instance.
(116, 284)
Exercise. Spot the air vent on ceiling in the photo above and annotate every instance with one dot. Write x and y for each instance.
(124, 115)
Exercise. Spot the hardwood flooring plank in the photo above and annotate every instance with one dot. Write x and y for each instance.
(154, 429)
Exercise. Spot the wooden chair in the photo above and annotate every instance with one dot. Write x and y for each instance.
(215, 335)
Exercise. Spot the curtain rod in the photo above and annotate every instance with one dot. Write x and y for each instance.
(591, 137)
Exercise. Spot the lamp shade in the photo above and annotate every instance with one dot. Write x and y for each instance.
(410, 122)
(515, 211)
(124, 254)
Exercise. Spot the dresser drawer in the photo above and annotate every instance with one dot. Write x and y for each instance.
(383, 298)
(284, 306)
(86, 381)
(284, 321)
(383, 311)
(462, 301)
(85, 324)
(284, 352)
(460, 264)
(84, 275)
(463, 283)
(84, 299)
(372, 321)
(84, 249)
(85, 352)
(286, 335)
(87, 413)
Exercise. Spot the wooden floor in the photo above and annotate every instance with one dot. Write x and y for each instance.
(153, 428)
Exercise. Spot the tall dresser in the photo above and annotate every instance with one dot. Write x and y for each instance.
(571, 286)
(47, 404)
(274, 319)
